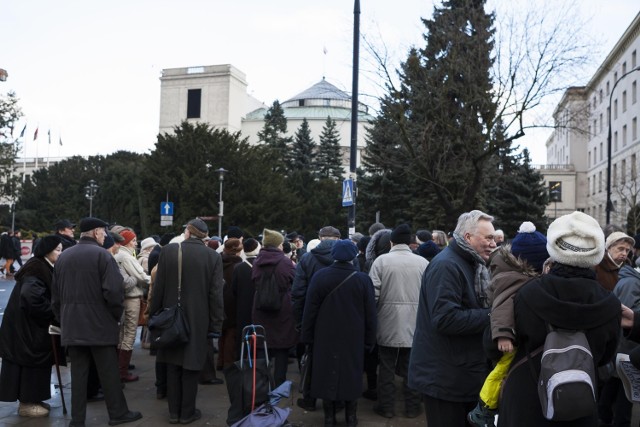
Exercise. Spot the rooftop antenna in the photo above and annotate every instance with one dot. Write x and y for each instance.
(324, 62)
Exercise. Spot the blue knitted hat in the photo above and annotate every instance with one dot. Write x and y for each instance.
(530, 245)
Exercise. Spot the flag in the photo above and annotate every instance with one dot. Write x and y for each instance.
(60, 141)
(35, 134)
(49, 136)
(23, 131)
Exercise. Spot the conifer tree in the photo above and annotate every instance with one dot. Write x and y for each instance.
(274, 134)
(329, 158)
(303, 149)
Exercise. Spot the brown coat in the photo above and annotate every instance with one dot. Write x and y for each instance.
(607, 273)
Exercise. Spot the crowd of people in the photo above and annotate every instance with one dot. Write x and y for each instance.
(459, 317)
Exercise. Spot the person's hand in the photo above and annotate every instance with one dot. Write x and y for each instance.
(214, 335)
(505, 345)
(627, 317)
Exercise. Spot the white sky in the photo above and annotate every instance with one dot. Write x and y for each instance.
(89, 71)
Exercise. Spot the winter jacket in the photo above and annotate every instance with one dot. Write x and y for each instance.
(243, 290)
(338, 351)
(628, 292)
(66, 241)
(379, 244)
(87, 295)
(130, 264)
(229, 300)
(200, 297)
(396, 278)
(279, 325)
(607, 272)
(567, 298)
(447, 359)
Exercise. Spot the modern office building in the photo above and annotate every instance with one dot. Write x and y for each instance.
(592, 155)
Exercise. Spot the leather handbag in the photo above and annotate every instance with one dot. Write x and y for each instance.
(170, 327)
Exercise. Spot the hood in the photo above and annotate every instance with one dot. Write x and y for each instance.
(322, 252)
(503, 261)
(379, 244)
(627, 272)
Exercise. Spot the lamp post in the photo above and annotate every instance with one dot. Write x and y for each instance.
(609, 203)
(554, 196)
(221, 173)
(90, 191)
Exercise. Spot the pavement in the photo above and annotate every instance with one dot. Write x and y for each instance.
(212, 400)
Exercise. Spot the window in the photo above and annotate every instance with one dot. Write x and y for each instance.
(624, 101)
(601, 96)
(623, 171)
(588, 185)
(608, 116)
(633, 59)
(599, 182)
(615, 141)
(601, 150)
(633, 167)
(594, 184)
(634, 92)
(614, 175)
(601, 122)
(555, 191)
(589, 164)
(194, 99)
(624, 135)
(615, 77)
(595, 155)
(594, 102)
(634, 129)
(615, 109)
(624, 67)
(607, 88)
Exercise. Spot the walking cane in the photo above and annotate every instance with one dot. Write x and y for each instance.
(55, 359)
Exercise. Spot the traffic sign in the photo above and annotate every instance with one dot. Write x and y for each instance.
(347, 192)
(166, 208)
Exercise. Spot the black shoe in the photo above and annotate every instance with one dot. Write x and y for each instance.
(306, 404)
(329, 408)
(131, 367)
(215, 381)
(126, 418)
(174, 419)
(371, 394)
(382, 412)
(196, 416)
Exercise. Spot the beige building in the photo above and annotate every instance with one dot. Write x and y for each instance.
(217, 94)
(578, 150)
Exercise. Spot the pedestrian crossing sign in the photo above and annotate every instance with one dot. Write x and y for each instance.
(347, 192)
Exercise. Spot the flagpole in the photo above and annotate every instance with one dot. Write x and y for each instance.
(48, 148)
(24, 155)
(35, 137)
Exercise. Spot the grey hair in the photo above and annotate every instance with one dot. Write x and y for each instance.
(468, 222)
(499, 233)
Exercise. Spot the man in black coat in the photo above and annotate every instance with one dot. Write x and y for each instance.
(87, 298)
(64, 230)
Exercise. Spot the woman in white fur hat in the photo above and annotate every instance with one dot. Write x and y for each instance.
(568, 297)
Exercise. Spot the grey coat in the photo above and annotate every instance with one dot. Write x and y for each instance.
(201, 298)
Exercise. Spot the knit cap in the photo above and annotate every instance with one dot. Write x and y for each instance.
(530, 245)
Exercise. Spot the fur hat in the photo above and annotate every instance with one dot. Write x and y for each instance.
(89, 223)
(355, 237)
(234, 231)
(251, 247)
(344, 250)
(128, 237)
(232, 246)
(401, 234)
(198, 228)
(530, 245)
(576, 239)
(149, 242)
(213, 244)
(46, 245)
(272, 238)
(616, 236)
(376, 226)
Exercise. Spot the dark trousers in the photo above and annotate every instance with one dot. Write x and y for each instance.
(208, 372)
(279, 358)
(395, 360)
(106, 361)
(371, 367)
(161, 377)
(182, 389)
(613, 406)
(442, 413)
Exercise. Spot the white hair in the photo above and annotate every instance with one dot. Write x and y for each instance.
(468, 222)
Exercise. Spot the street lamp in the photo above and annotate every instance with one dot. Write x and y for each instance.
(609, 203)
(90, 191)
(221, 173)
(554, 196)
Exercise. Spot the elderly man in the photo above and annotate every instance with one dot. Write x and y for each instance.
(201, 298)
(87, 297)
(447, 363)
(64, 230)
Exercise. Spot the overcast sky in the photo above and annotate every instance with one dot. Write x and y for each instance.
(89, 71)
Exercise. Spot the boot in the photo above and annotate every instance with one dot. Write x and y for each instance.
(124, 357)
(350, 409)
(329, 413)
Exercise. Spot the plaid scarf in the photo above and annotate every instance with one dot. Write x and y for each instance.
(482, 279)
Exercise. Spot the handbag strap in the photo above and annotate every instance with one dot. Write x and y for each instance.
(337, 287)
(179, 271)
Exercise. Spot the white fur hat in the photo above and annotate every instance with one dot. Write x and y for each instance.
(576, 239)
(148, 242)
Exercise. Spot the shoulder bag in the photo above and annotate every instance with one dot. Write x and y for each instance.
(169, 327)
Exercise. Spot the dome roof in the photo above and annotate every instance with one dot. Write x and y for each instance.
(321, 90)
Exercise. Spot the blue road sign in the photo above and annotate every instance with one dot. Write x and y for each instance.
(347, 192)
(166, 208)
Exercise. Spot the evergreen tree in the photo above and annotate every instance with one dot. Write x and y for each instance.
(10, 112)
(273, 134)
(329, 158)
(303, 150)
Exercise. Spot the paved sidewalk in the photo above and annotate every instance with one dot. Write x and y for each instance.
(212, 401)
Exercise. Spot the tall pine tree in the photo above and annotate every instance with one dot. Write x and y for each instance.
(329, 158)
(274, 134)
(303, 149)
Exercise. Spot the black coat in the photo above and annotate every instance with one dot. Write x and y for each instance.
(279, 326)
(567, 298)
(6, 247)
(229, 263)
(66, 241)
(340, 326)
(87, 295)
(243, 290)
(201, 298)
(24, 334)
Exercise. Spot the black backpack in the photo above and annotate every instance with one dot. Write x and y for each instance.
(268, 296)
(566, 385)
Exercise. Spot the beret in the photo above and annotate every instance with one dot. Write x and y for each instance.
(89, 223)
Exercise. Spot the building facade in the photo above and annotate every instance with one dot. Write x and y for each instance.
(595, 144)
(217, 95)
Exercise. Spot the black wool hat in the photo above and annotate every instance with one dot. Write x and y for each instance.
(234, 231)
(401, 234)
(46, 245)
(89, 223)
(62, 224)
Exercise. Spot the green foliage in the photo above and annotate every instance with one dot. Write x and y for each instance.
(273, 134)
(10, 112)
(303, 149)
(329, 157)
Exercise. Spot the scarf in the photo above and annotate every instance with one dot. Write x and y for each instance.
(482, 279)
